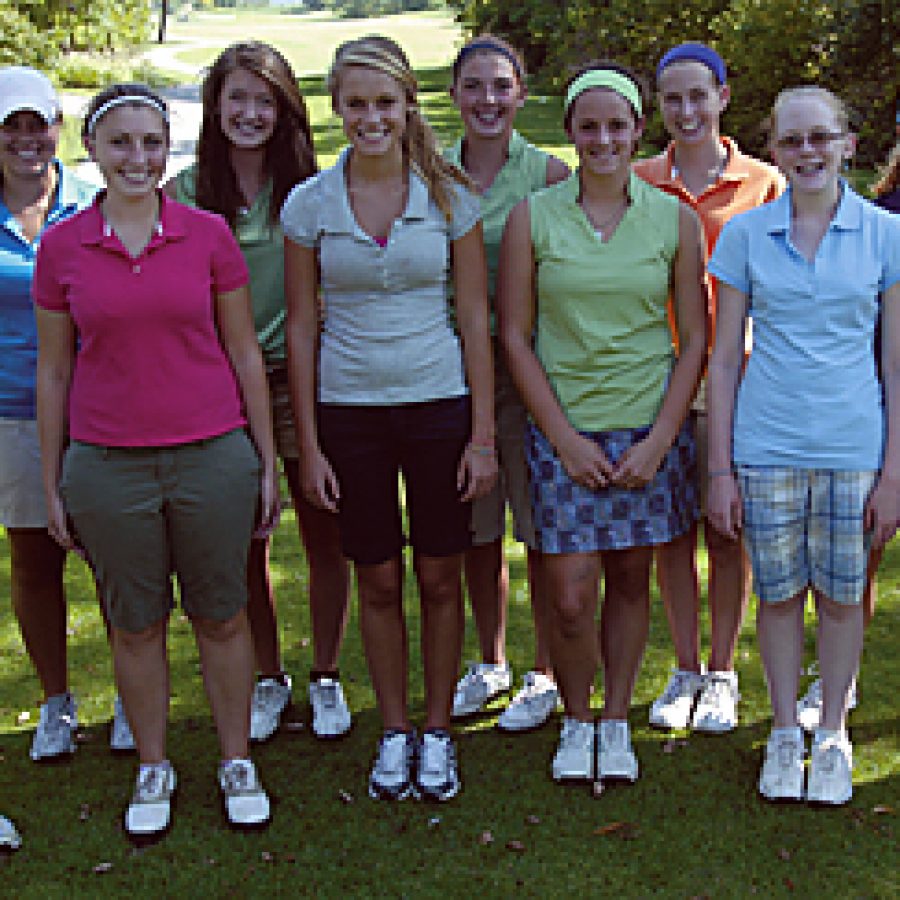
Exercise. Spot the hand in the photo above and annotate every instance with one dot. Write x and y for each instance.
(476, 474)
(882, 512)
(320, 484)
(269, 504)
(57, 522)
(638, 464)
(724, 507)
(585, 463)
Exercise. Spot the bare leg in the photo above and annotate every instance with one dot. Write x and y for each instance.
(142, 677)
(624, 625)
(540, 611)
(840, 636)
(780, 631)
(676, 575)
(226, 657)
(487, 581)
(440, 590)
(871, 592)
(383, 628)
(729, 594)
(572, 582)
(261, 611)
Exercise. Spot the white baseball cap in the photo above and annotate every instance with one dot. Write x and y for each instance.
(24, 89)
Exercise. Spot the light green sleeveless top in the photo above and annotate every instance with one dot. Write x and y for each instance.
(602, 332)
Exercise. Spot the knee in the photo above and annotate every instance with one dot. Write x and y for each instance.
(572, 611)
(221, 631)
(439, 581)
(628, 576)
(379, 585)
(133, 641)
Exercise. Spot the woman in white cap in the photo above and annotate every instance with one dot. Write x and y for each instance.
(35, 192)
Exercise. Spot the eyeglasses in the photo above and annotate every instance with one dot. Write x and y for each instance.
(818, 140)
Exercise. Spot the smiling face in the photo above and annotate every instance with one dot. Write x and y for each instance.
(27, 145)
(488, 94)
(691, 102)
(809, 143)
(130, 145)
(603, 128)
(248, 109)
(373, 108)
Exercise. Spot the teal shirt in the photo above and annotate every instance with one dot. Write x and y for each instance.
(524, 172)
(262, 244)
(602, 332)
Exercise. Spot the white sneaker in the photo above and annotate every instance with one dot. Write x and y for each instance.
(716, 710)
(781, 777)
(246, 801)
(672, 709)
(574, 758)
(150, 812)
(330, 713)
(437, 777)
(55, 734)
(615, 756)
(9, 837)
(809, 706)
(481, 684)
(392, 773)
(830, 769)
(532, 705)
(269, 701)
(121, 740)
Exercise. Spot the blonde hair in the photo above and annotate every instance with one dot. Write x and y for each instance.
(890, 174)
(811, 92)
(420, 146)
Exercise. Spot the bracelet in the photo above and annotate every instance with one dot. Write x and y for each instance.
(483, 449)
(719, 473)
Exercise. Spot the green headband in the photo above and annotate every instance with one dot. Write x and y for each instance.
(605, 78)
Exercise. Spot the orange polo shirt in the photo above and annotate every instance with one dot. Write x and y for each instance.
(744, 184)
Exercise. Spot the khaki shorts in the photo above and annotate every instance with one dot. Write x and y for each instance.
(21, 487)
(143, 513)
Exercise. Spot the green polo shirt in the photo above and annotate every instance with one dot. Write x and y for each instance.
(524, 172)
(602, 332)
(262, 244)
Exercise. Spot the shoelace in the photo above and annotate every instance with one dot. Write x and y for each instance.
(831, 754)
(236, 779)
(328, 694)
(787, 751)
(615, 735)
(676, 686)
(716, 687)
(572, 733)
(263, 694)
(393, 752)
(152, 784)
(437, 753)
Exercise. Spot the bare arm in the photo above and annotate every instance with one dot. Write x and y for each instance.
(557, 170)
(478, 466)
(235, 323)
(56, 359)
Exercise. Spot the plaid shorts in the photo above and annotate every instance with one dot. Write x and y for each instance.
(804, 527)
(570, 518)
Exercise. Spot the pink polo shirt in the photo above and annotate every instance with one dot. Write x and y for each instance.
(150, 370)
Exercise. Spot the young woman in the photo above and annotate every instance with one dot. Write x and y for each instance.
(385, 388)
(255, 145)
(586, 267)
(488, 90)
(707, 171)
(810, 477)
(160, 475)
(35, 192)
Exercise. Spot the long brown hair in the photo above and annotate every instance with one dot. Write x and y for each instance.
(420, 146)
(890, 174)
(290, 155)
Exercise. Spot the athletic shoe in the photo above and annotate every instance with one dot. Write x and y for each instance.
(9, 837)
(121, 740)
(55, 734)
(392, 773)
(672, 709)
(330, 713)
(809, 706)
(481, 684)
(437, 777)
(716, 710)
(532, 705)
(574, 758)
(781, 777)
(150, 812)
(830, 768)
(269, 701)
(246, 801)
(615, 756)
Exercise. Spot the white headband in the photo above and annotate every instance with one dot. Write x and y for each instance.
(139, 99)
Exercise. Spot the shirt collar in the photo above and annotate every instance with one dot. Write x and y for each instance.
(736, 168)
(170, 226)
(847, 216)
(514, 150)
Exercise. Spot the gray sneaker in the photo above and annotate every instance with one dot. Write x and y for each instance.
(782, 772)
(9, 837)
(245, 800)
(121, 739)
(830, 769)
(55, 734)
(438, 776)
(481, 684)
(150, 812)
(392, 773)
(269, 701)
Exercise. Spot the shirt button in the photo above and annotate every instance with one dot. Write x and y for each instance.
(136, 268)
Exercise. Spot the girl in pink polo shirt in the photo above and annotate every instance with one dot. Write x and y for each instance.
(160, 475)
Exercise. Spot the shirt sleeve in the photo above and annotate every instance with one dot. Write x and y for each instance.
(299, 215)
(47, 289)
(229, 269)
(730, 259)
(466, 211)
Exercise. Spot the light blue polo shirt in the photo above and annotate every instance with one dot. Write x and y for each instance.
(386, 336)
(810, 397)
(18, 331)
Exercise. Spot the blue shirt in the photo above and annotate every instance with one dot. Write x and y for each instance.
(810, 397)
(18, 331)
